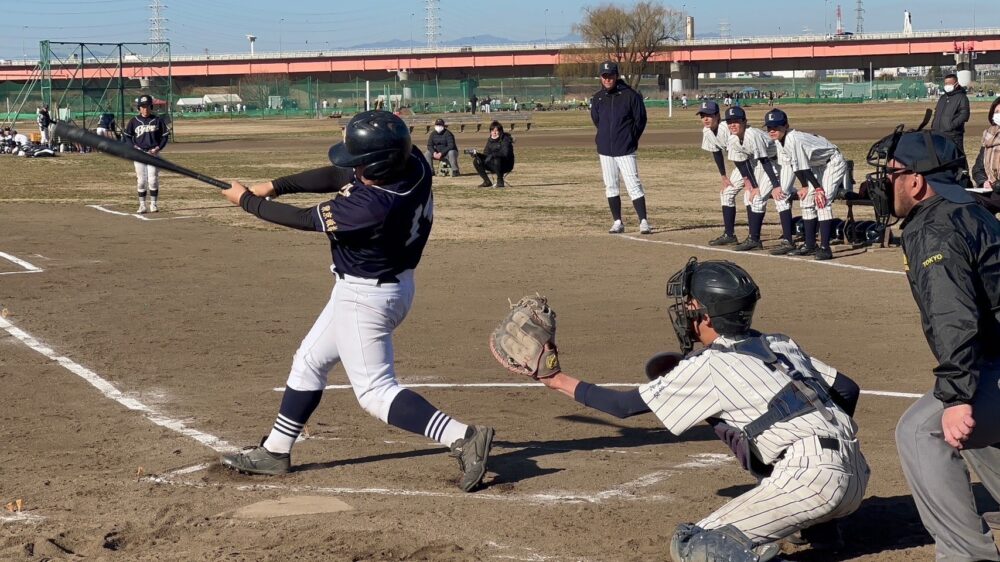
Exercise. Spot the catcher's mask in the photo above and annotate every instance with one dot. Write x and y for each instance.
(724, 291)
(933, 156)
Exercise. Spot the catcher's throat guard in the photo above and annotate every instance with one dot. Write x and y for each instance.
(682, 314)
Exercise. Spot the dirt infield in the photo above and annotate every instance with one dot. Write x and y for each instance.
(142, 348)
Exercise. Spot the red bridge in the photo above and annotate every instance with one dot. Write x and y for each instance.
(688, 57)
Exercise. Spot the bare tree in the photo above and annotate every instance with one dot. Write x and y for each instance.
(631, 37)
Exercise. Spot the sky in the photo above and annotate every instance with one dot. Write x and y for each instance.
(221, 26)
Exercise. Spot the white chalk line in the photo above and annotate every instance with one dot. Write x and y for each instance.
(21, 517)
(27, 266)
(137, 215)
(109, 391)
(628, 491)
(827, 263)
(540, 385)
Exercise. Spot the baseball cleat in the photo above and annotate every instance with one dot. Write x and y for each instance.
(486, 183)
(644, 227)
(723, 240)
(258, 460)
(803, 251)
(824, 254)
(749, 244)
(783, 248)
(472, 451)
(617, 228)
(142, 209)
(153, 208)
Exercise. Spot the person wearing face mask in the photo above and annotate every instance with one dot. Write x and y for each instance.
(951, 248)
(986, 171)
(951, 114)
(441, 145)
(497, 156)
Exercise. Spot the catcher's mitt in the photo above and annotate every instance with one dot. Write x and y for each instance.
(525, 341)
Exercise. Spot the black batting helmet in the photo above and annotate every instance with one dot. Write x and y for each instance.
(724, 291)
(378, 140)
(144, 101)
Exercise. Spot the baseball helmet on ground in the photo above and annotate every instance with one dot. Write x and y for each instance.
(378, 140)
(724, 291)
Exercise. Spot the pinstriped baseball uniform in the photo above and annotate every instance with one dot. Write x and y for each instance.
(718, 141)
(628, 167)
(805, 151)
(810, 483)
(754, 146)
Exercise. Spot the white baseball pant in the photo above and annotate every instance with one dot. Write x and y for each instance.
(627, 165)
(355, 328)
(758, 204)
(831, 177)
(809, 485)
(728, 195)
(147, 177)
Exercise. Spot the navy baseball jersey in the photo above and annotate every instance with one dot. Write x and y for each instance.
(378, 231)
(147, 133)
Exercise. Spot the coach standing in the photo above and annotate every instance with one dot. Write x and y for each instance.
(952, 113)
(952, 256)
(619, 114)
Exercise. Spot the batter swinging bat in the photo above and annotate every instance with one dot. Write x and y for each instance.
(123, 150)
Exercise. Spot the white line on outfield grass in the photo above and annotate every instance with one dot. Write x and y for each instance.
(826, 263)
(109, 391)
(27, 266)
(540, 385)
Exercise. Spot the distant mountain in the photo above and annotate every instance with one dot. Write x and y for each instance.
(471, 41)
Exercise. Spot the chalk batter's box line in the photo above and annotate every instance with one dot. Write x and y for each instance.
(27, 266)
(137, 215)
(824, 263)
(482, 385)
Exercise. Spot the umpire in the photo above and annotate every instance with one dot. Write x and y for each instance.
(952, 252)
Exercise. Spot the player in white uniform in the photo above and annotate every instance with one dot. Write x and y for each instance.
(821, 170)
(715, 139)
(755, 157)
(785, 408)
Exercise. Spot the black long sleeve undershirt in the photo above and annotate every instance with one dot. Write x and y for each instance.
(327, 179)
(720, 161)
(278, 213)
(619, 403)
(769, 170)
(746, 170)
(807, 176)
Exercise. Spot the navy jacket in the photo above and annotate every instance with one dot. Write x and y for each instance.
(620, 118)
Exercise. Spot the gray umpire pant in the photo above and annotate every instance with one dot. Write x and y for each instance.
(938, 475)
(451, 155)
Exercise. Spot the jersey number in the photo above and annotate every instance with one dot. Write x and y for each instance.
(425, 212)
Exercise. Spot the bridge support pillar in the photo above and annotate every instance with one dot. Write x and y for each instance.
(965, 69)
(684, 76)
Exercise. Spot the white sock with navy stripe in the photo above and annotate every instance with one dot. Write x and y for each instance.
(296, 407)
(445, 430)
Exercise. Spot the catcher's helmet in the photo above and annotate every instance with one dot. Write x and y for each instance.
(378, 140)
(724, 291)
(144, 101)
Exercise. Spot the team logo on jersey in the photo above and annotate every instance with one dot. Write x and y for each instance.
(143, 129)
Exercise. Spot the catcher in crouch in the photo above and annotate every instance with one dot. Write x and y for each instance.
(786, 415)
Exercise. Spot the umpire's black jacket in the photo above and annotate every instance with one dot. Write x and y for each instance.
(442, 142)
(952, 253)
(620, 117)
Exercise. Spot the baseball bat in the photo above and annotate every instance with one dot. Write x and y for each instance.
(128, 152)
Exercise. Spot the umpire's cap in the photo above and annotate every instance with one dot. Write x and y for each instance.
(378, 140)
(775, 118)
(735, 113)
(708, 107)
(937, 159)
